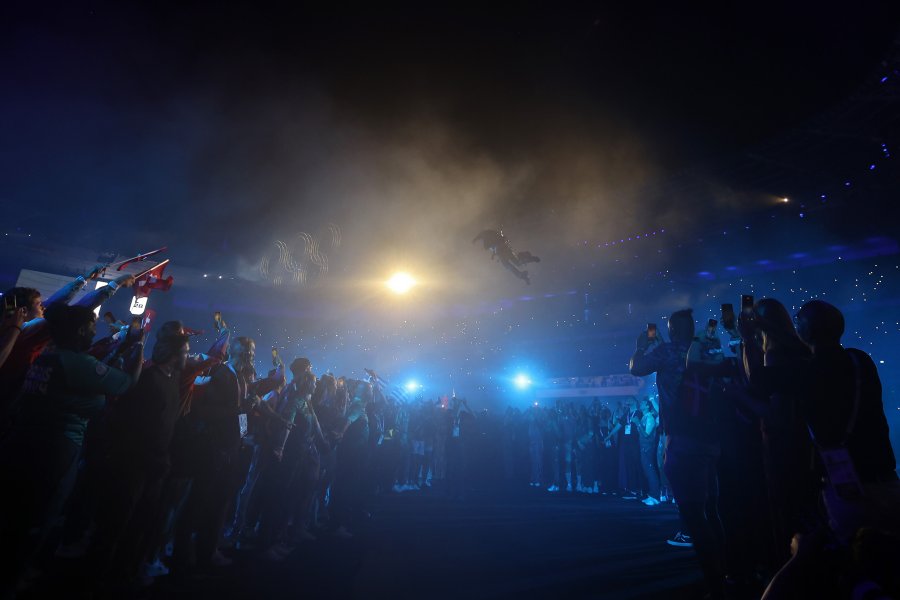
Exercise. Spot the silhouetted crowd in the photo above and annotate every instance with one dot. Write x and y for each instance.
(590, 448)
(778, 458)
(159, 463)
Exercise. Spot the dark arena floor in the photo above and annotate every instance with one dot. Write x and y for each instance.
(512, 544)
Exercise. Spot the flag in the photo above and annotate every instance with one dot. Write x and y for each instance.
(152, 279)
(138, 258)
(219, 349)
(391, 391)
(148, 320)
(397, 393)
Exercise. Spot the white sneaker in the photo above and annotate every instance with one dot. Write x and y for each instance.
(553, 488)
(650, 501)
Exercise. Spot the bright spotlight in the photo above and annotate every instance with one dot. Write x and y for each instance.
(522, 381)
(412, 385)
(400, 283)
(785, 200)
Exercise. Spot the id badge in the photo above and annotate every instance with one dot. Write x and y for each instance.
(242, 423)
(628, 429)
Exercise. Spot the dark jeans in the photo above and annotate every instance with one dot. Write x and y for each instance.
(126, 519)
(456, 467)
(648, 463)
(629, 462)
(42, 472)
(204, 513)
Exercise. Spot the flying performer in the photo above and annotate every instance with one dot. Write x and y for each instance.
(498, 244)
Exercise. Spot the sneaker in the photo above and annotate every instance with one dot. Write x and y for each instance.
(650, 501)
(396, 489)
(681, 540)
(553, 488)
(663, 499)
(569, 488)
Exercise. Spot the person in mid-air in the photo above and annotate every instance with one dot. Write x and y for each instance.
(498, 244)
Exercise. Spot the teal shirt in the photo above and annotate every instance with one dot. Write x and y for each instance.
(64, 389)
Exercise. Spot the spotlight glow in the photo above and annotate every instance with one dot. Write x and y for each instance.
(401, 283)
(522, 381)
(412, 385)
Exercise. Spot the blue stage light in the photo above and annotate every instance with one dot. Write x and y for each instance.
(522, 381)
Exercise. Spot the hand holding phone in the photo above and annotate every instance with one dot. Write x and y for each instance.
(746, 303)
(746, 323)
(13, 317)
(728, 319)
(9, 305)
